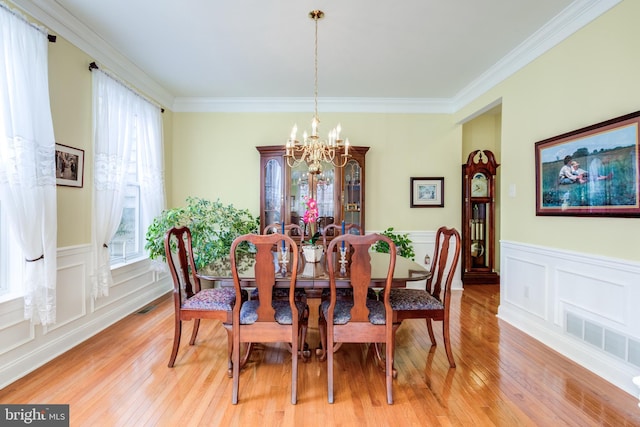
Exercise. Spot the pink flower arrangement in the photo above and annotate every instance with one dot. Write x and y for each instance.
(310, 217)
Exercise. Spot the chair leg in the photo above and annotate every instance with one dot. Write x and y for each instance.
(430, 329)
(236, 367)
(329, 355)
(229, 350)
(389, 372)
(302, 343)
(321, 352)
(194, 333)
(447, 342)
(294, 368)
(176, 342)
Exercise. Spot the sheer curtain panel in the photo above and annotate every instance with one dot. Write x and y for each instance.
(27, 151)
(120, 117)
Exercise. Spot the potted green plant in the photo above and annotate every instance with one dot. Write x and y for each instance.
(213, 226)
(404, 246)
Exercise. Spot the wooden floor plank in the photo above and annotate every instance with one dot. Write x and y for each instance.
(503, 378)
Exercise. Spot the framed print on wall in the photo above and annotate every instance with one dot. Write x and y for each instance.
(591, 171)
(427, 192)
(69, 166)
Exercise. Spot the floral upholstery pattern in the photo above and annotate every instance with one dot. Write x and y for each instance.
(342, 313)
(413, 299)
(249, 315)
(211, 299)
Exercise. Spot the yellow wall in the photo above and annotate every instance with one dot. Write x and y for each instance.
(70, 95)
(214, 156)
(590, 77)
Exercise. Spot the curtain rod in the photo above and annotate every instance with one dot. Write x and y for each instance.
(94, 66)
(43, 30)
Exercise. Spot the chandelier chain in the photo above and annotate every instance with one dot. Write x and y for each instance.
(315, 55)
(315, 150)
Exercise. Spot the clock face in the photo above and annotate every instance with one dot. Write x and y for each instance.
(479, 187)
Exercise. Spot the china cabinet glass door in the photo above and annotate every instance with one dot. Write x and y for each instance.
(273, 192)
(352, 205)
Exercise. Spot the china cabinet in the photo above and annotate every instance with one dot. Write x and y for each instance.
(478, 218)
(339, 192)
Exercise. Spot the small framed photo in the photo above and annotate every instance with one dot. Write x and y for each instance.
(427, 192)
(69, 166)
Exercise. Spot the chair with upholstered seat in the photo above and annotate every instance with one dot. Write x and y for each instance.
(432, 303)
(267, 319)
(191, 302)
(329, 232)
(359, 319)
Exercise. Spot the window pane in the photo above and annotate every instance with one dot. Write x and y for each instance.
(126, 243)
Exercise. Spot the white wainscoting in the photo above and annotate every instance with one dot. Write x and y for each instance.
(26, 347)
(583, 306)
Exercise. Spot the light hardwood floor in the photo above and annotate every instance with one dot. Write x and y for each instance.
(503, 378)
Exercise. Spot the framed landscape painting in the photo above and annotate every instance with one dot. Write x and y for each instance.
(591, 171)
(427, 192)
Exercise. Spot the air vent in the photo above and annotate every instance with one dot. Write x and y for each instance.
(146, 309)
(607, 340)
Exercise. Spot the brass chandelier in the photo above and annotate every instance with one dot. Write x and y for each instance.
(314, 150)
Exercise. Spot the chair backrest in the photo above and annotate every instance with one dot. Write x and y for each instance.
(289, 229)
(359, 272)
(292, 230)
(265, 271)
(445, 260)
(322, 222)
(179, 254)
(336, 230)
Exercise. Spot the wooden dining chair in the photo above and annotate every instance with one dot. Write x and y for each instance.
(433, 302)
(294, 231)
(191, 302)
(360, 319)
(266, 319)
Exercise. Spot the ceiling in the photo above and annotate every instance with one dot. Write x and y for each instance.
(257, 54)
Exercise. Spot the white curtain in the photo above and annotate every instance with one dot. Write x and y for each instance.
(27, 153)
(120, 117)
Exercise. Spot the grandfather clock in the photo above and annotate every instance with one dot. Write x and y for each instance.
(478, 218)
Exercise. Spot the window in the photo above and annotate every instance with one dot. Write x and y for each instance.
(128, 178)
(128, 242)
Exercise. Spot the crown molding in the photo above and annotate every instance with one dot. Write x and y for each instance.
(571, 19)
(575, 16)
(61, 22)
(290, 105)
